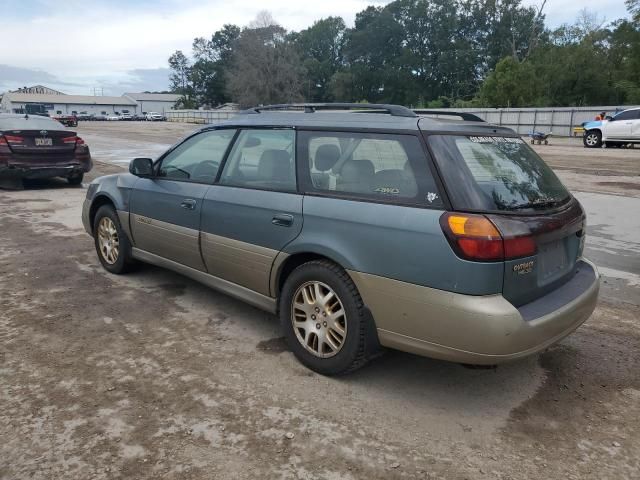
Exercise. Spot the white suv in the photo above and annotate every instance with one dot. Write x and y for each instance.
(621, 129)
(154, 117)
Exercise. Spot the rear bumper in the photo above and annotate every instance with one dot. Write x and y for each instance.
(475, 329)
(44, 171)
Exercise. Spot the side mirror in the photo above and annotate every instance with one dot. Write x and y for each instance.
(608, 117)
(141, 167)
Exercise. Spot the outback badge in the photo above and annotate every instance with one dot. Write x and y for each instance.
(523, 268)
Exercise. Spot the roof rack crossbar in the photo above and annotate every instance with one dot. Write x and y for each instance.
(466, 116)
(394, 110)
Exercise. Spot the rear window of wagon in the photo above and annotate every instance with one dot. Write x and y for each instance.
(494, 173)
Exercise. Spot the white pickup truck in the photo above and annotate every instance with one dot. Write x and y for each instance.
(621, 129)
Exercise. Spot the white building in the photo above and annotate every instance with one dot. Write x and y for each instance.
(154, 102)
(61, 104)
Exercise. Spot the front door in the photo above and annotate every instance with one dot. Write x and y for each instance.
(254, 210)
(166, 208)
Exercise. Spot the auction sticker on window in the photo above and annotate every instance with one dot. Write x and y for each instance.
(496, 139)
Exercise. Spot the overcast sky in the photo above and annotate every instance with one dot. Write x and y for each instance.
(123, 45)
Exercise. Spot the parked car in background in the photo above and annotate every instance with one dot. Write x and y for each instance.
(112, 117)
(84, 117)
(155, 117)
(67, 120)
(39, 147)
(621, 129)
(126, 116)
(138, 117)
(471, 251)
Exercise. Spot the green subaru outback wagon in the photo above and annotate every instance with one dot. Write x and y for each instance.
(362, 226)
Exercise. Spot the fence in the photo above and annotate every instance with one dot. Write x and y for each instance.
(560, 121)
(199, 116)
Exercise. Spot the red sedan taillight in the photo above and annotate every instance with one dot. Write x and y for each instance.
(475, 237)
(76, 140)
(11, 140)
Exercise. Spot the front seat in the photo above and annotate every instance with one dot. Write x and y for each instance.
(275, 169)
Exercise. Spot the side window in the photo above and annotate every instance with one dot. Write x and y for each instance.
(628, 115)
(376, 166)
(262, 159)
(198, 158)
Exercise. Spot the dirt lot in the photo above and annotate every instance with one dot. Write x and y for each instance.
(151, 375)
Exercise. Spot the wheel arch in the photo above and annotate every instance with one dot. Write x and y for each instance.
(285, 263)
(283, 268)
(100, 200)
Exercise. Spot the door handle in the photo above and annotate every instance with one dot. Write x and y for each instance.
(188, 203)
(282, 220)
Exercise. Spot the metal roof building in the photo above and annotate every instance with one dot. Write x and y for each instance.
(56, 104)
(154, 102)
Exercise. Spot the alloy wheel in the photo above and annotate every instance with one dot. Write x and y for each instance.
(319, 319)
(108, 240)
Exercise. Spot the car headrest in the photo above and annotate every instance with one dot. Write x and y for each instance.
(357, 171)
(326, 157)
(274, 165)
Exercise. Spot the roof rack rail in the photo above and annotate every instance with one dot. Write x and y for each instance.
(466, 116)
(393, 110)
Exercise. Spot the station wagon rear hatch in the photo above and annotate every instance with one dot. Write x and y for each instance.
(502, 180)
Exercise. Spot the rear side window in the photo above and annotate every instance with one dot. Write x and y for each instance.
(262, 159)
(379, 167)
(627, 115)
(495, 174)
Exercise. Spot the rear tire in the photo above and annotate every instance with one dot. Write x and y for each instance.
(111, 242)
(75, 179)
(324, 319)
(592, 139)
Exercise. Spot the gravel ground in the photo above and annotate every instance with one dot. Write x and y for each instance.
(151, 375)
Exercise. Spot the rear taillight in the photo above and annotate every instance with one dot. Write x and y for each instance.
(12, 140)
(76, 140)
(475, 237)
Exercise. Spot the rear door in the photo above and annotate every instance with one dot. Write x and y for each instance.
(621, 125)
(165, 209)
(254, 210)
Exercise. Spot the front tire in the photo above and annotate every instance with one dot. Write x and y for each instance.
(324, 319)
(592, 139)
(111, 242)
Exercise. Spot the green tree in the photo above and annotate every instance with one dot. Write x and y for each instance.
(320, 46)
(511, 84)
(212, 60)
(179, 81)
(265, 67)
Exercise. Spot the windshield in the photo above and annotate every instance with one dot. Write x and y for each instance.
(492, 173)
